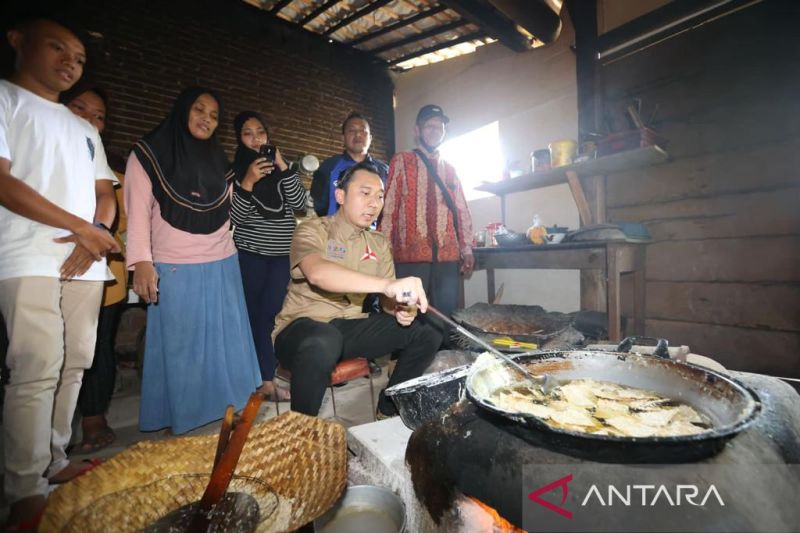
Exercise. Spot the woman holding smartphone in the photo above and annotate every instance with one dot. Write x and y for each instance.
(265, 196)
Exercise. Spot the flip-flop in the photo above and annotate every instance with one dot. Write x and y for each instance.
(282, 394)
(97, 440)
(30, 525)
(87, 464)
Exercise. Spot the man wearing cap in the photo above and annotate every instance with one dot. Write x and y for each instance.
(335, 262)
(357, 139)
(426, 217)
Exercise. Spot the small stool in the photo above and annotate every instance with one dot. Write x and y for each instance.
(346, 370)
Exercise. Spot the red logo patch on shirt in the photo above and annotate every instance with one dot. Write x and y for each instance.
(369, 255)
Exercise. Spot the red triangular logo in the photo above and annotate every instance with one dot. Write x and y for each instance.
(369, 255)
(563, 482)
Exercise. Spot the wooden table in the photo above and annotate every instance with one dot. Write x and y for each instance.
(611, 258)
(600, 263)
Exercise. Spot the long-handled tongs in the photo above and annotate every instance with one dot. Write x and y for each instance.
(546, 382)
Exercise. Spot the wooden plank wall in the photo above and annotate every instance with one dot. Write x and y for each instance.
(723, 273)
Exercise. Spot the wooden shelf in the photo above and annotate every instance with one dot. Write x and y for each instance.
(603, 262)
(628, 160)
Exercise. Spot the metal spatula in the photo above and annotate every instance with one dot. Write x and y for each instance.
(546, 382)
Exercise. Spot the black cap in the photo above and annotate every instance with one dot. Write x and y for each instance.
(430, 111)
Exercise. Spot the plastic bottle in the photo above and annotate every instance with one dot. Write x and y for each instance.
(537, 233)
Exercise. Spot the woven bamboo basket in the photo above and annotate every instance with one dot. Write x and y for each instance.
(295, 466)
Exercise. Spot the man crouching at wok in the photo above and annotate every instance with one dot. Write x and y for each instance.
(335, 262)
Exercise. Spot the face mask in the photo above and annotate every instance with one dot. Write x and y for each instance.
(428, 148)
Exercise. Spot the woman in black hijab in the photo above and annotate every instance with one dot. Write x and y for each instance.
(187, 164)
(265, 196)
(199, 353)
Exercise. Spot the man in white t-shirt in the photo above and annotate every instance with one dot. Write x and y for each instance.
(56, 203)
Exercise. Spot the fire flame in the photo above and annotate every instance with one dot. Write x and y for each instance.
(501, 524)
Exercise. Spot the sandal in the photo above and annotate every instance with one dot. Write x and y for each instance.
(282, 394)
(82, 467)
(97, 440)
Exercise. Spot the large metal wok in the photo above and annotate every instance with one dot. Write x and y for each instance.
(729, 405)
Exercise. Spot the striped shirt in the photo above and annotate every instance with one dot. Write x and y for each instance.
(254, 233)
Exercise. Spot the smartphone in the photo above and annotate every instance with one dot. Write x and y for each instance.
(267, 151)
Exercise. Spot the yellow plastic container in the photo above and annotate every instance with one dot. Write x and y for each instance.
(537, 234)
(562, 152)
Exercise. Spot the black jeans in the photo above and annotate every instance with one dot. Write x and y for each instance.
(98, 381)
(311, 349)
(440, 281)
(264, 278)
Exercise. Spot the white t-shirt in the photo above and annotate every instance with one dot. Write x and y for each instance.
(60, 156)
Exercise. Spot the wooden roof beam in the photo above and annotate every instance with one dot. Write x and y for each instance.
(436, 30)
(397, 25)
(366, 10)
(490, 20)
(435, 48)
(277, 6)
(317, 12)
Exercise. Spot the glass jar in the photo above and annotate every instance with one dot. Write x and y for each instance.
(540, 160)
(480, 238)
(491, 229)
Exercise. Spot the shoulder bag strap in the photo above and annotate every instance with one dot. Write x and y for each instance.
(451, 205)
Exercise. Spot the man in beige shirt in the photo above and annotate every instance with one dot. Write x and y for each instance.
(335, 263)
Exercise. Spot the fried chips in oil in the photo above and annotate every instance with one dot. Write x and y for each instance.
(604, 408)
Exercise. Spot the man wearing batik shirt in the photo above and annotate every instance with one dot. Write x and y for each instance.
(426, 217)
(335, 262)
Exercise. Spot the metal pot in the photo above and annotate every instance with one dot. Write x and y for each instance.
(729, 405)
(364, 508)
(425, 398)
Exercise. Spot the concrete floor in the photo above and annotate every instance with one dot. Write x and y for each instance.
(352, 404)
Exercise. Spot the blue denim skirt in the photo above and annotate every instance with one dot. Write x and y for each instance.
(199, 354)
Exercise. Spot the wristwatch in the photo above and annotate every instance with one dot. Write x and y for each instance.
(103, 226)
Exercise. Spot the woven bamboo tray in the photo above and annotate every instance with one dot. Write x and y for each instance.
(527, 323)
(294, 465)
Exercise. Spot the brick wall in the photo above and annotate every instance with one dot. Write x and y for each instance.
(145, 52)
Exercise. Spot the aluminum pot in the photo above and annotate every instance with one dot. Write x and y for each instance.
(729, 405)
(364, 509)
